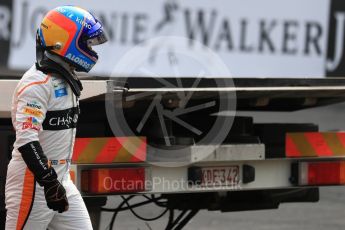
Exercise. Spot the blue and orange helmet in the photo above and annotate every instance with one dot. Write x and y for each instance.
(70, 32)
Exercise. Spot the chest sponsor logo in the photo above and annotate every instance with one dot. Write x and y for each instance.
(61, 92)
(61, 119)
(32, 111)
(60, 87)
(31, 123)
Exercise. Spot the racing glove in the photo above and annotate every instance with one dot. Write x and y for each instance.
(45, 175)
(55, 195)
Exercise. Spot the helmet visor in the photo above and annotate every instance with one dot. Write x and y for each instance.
(93, 36)
(100, 39)
(96, 35)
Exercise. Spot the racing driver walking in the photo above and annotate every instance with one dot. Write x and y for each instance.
(39, 192)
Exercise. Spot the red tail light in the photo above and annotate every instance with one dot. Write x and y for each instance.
(322, 173)
(114, 180)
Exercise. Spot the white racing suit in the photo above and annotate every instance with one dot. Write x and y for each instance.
(44, 109)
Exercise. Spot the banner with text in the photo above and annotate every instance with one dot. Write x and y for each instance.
(253, 38)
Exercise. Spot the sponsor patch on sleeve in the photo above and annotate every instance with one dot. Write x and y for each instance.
(59, 162)
(32, 111)
(31, 123)
(34, 105)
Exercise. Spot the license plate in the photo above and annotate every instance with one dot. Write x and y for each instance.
(220, 176)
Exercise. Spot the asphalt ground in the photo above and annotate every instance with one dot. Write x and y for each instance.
(328, 213)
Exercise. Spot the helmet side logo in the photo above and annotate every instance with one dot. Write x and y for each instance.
(83, 23)
(79, 61)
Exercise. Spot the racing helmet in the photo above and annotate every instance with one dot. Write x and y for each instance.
(70, 32)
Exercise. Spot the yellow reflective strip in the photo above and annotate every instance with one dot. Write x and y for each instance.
(334, 144)
(91, 151)
(302, 144)
(129, 148)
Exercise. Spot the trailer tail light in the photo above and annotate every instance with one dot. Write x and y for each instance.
(114, 180)
(321, 173)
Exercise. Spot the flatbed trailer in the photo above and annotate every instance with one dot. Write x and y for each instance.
(253, 166)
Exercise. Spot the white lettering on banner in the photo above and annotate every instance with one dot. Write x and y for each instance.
(280, 40)
(5, 18)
